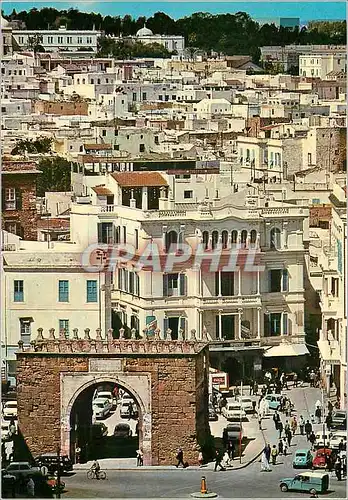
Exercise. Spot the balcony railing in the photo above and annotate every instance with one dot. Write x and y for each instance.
(236, 300)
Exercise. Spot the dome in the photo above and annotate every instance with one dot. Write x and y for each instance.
(4, 23)
(144, 32)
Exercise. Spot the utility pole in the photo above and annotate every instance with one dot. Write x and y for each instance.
(240, 422)
(58, 474)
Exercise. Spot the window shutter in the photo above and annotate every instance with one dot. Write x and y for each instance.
(165, 285)
(3, 201)
(165, 324)
(285, 280)
(100, 233)
(18, 199)
(269, 281)
(285, 323)
(120, 279)
(182, 284)
(266, 325)
(217, 283)
(137, 284)
(183, 324)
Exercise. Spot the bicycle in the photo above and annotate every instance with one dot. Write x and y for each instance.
(91, 474)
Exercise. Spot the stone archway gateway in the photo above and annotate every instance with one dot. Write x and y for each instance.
(168, 379)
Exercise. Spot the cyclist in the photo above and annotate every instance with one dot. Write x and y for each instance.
(96, 468)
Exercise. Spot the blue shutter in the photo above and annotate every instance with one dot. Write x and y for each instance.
(285, 280)
(285, 323)
(63, 290)
(18, 295)
(92, 295)
(165, 285)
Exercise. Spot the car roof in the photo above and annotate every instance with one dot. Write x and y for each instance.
(100, 400)
(324, 450)
(19, 463)
(312, 474)
(122, 426)
(303, 450)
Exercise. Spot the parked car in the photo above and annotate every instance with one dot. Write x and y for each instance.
(107, 395)
(302, 459)
(339, 420)
(101, 407)
(233, 411)
(319, 460)
(99, 430)
(335, 439)
(127, 397)
(122, 431)
(213, 416)
(246, 403)
(233, 432)
(322, 440)
(10, 410)
(50, 460)
(5, 431)
(273, 401)
(22, 469)
(311, 482)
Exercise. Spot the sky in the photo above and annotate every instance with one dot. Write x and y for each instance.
(306, 11)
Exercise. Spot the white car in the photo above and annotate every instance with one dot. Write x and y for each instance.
(10, 410)
(101, 407)
(246, 403)
(322, 440)
(5, 431)
(233, 411)
(336, 438)
(107, 395)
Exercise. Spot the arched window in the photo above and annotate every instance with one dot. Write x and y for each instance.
(224, 238)
(83, 81)
(205, 239)
(234, 237)
(171, 241)
(98, 81)
(78, 81)
(243, 237)
(275, 238)
(214, 239)
(253, 236)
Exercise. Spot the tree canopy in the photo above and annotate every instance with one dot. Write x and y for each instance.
(231, 34)
(30, 146)
(55, 176)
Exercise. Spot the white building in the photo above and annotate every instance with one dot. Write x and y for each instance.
(320, 65)
(60, 40)
(173, 43)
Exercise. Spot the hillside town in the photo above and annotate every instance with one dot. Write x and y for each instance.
(195, 201)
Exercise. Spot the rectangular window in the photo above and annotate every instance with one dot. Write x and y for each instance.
(63, 291)
(18, 291)
(274, 324)
(174, 285)
(156, 139)
(104, 133)
(10, 199)
(227, 284)
(144, 96)
(274, 280)
(92, 295)
(188, 194)
(136, 239)
(141, 148)
(285, 280)
(25, 330)
(64, 325)
(285, 323)
(106, 233)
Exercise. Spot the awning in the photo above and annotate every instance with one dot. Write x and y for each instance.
(286, 350)
(329, 352)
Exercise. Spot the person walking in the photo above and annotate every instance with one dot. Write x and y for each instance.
(328, 421)
(312, 439)
(30, 487)
(180, 458)
(312, 379)
(265, 459)
(260, 420)
(140, 457)
(308, 429)
(280, 447)
(200, 458)
(301, 424)
(329, 463)
(338, 468)
(218, 458)
(274, 454)
(285, 447)
(293, 425)
(289, 437)
(230, 450)
(341, 446)
(318, 414)
(78, 455)
(280, 428)
(276, 419)
(295, 380)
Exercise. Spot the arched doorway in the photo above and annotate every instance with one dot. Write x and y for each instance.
(113, 432)
(78, 425)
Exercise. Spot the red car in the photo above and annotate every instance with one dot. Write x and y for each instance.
(320, 460)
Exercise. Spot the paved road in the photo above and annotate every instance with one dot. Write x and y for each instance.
(249, 482)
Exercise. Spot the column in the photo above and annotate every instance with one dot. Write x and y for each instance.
(285, 235)
(239, 282)
(219, 283)
(164, 230)
(257, 282)
(229, 240)
(220, 325)
(258, 335)
(144, 199)
(239, 324)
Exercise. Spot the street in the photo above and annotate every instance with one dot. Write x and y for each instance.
(248, 482)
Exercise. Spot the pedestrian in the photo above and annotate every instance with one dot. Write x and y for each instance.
(260, 421)
(287, 407)
(268, 452)
(30, 487)
(285, 447)
(274, 453)
(312, 419)
(130, 411)
(276, 420)
(293, 425)
(341, 446)
(329, 407)
(12, 427)
(218, 458)
(280, 428)
(312, 439)
(312, 378)
(200, 458)
(254, 407)
(289, 437)
(338, 468)
(180, 458)
(295, 380)
(256, 388)
(140, 457)
(251, 388)
(318, 415)
(3, 452)
(280, 447)
(328, 420)
(329, 463)
(286, 427)
(78, 455)
(265, 460)
(308, 429)
(230, 450)
(301, 423)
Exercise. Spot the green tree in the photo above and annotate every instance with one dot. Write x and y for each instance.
(29, 146)
(34, 43)
(55, 176)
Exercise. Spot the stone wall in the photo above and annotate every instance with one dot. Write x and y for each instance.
(331, 149)
(179, 389)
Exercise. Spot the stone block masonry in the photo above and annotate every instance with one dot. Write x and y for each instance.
(169, 380)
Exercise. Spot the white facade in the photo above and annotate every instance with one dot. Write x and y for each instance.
(60, 39)
(173, 43)
(319, 66)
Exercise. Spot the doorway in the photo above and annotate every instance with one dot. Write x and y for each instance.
(173, 323)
